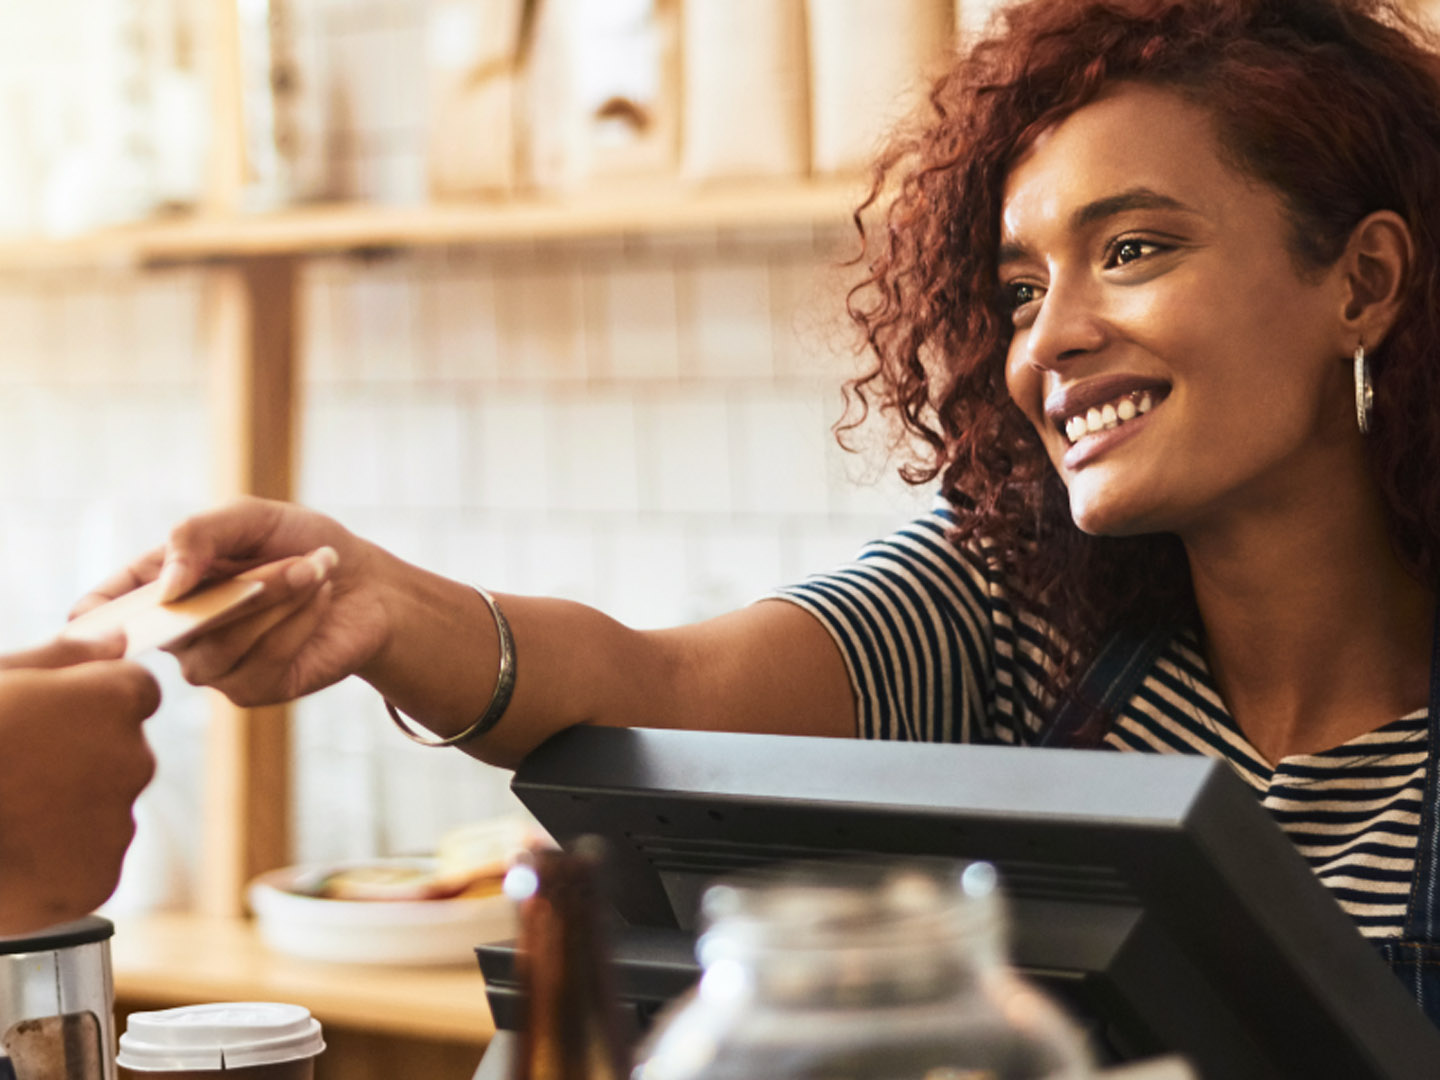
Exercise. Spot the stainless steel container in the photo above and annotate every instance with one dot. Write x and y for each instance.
(57, 1003)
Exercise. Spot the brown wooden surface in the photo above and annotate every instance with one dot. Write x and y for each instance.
(176, 959)
(343, 227)
(252, 329)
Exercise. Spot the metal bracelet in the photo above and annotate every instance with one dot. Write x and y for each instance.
(499, 700)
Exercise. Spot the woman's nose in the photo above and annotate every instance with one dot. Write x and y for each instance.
(1068, 325)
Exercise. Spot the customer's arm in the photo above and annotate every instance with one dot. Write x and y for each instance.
(73, 757)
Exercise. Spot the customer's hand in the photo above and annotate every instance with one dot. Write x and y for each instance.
(73, 758)
(318, 619)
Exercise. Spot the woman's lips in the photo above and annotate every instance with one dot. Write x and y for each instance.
(1100, 413)
(1092, 445)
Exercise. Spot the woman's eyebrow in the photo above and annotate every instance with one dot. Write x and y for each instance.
(1137, 198)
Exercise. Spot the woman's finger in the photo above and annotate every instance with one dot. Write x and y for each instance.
(289, 584)
(236, 532)
(268, 672)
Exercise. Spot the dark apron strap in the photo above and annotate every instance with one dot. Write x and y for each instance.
(1111, 680)
(1422, 919)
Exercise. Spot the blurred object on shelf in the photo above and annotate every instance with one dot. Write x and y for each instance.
(602, 92)
(870, 63)
(100, 113)
(282, 104)
(115, 139)
(745, 93)
(179, 114)
(430, 910)
(474, 51)
(282, 109)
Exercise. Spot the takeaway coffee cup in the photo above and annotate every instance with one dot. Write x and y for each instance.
(245, 1040)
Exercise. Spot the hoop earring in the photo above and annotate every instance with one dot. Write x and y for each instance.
(1364, 391)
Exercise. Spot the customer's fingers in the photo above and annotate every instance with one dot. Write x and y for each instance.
(63, 652)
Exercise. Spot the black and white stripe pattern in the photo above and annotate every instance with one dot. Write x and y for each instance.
(938, 651)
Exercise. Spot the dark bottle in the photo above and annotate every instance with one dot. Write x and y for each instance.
(572, 1027)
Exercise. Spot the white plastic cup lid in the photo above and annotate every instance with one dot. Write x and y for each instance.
(224, 1035)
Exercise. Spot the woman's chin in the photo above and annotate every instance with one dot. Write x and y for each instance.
(1111, 517)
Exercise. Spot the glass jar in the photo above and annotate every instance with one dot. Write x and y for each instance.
(862, 972)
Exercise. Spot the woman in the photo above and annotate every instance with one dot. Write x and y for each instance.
(1136, 280)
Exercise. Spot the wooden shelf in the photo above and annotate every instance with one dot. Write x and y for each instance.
(165, 960)
(332, 228)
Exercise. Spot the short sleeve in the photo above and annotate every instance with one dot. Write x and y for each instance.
(921, 623)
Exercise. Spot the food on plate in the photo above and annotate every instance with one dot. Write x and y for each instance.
(469, 861)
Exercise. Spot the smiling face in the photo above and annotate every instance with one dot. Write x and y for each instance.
(1175, 360)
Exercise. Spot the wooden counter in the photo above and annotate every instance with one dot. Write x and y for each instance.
(378, 1021)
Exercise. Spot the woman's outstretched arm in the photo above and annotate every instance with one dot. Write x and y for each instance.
(335, 604)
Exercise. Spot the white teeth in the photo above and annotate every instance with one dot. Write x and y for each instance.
(1105, 417)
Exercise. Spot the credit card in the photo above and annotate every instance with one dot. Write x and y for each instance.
(149, 624)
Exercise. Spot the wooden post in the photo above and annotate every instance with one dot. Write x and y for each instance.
(253, 333)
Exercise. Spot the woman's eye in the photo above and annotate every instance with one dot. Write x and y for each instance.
(1127, 251)
(1019, 294)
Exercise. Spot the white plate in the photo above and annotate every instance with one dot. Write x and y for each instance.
(375, 931)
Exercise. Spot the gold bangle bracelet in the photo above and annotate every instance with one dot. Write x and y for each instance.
(499, 700)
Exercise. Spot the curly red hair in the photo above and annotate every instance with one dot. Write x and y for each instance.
(1333, 103)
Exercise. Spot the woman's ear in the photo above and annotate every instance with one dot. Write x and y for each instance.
(1377, 264)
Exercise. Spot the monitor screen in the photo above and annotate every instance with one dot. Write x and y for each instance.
(1152, 894)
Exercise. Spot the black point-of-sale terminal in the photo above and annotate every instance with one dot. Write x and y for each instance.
(1151, 893)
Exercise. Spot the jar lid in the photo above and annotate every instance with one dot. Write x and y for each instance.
(86, 931)
(223, 1035)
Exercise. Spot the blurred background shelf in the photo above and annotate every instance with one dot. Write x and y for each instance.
(431, 1022)
(349, 227)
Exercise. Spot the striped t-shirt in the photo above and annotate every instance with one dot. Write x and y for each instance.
(939, 650)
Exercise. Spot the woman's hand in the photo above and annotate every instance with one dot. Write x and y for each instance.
(317, 620)
(74, 759)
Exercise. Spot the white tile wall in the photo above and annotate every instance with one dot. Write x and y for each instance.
(593, 436)
(512, 469)
(540, 314)
(726, 308)
(646, 584)
(637, 324)
(686, 463)
(458, 321)
(779, 425)
(732, 565)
